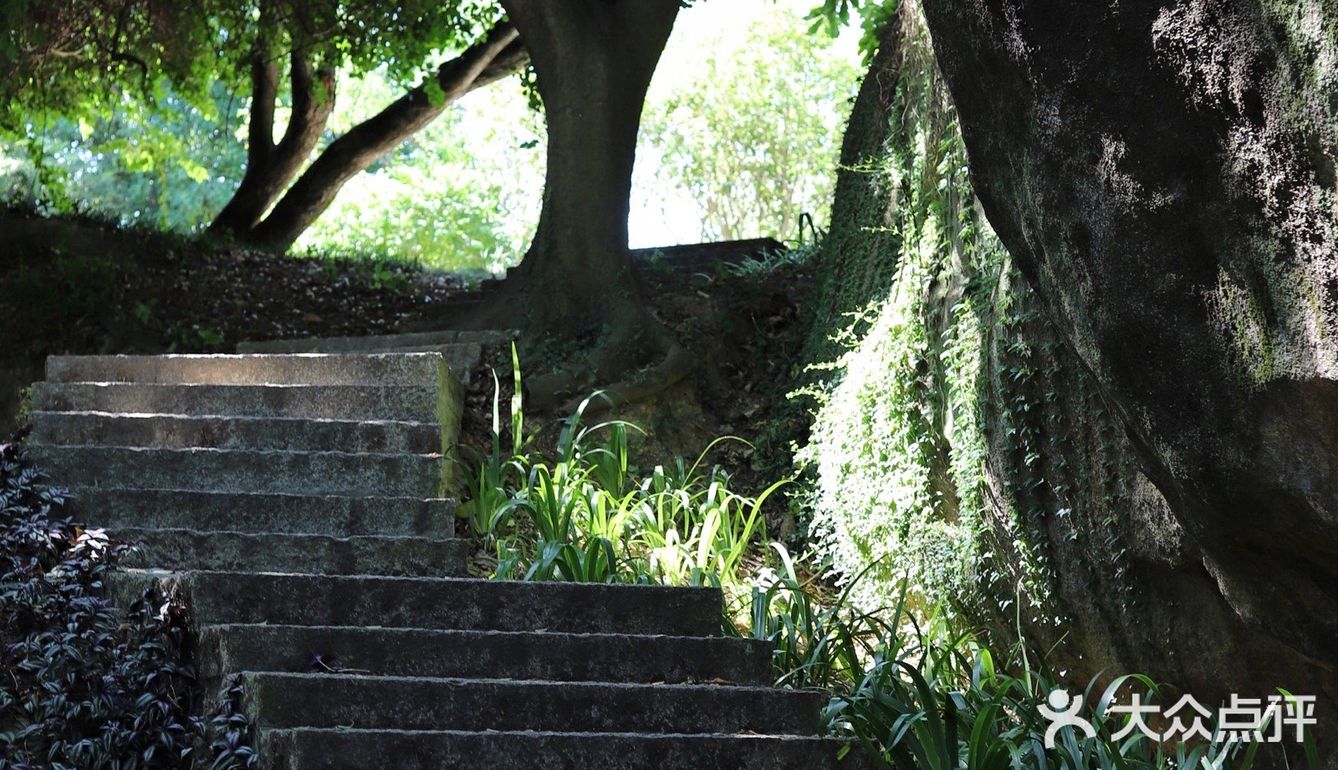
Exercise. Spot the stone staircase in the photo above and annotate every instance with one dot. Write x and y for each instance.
(462, 350)
(298, 501)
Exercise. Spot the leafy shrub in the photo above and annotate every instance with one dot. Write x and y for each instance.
(231, 731)
(87, 686)
(950, 706)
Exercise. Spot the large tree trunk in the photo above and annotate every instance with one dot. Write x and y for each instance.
(594, 60)
(498, 55)
(270, 167)
(1163, 173)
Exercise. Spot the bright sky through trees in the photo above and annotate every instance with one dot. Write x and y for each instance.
(740, 135)
(504, 141)
(662, 215)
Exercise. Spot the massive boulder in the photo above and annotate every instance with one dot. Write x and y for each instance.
(1163, 173)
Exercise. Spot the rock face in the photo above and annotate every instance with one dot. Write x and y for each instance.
(1164, 175)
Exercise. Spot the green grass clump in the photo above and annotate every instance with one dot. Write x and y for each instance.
(587, 515)
(921, 695)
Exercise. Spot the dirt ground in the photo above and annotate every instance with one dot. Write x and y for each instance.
(80, 287)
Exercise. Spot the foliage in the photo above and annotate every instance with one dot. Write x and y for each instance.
(171, 164)
(87, 686)
(750, 134)
(954, 435)
(474, 171)
(874, 15)
(922, 696)
(588, 515)
(815, 643)
(72, 57)
(769, 262)
(232, 733)
(897, 448)
(948, 705)
(133, 107)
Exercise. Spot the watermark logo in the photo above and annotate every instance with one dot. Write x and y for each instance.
(1242, 720)
(1063, 712)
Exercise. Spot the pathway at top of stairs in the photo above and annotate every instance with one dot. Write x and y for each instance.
(297, 495)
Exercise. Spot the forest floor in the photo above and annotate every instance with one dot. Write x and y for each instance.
(77, 286)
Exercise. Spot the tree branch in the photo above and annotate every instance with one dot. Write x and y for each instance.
(313, 96)
(492, 58)
(264, 94)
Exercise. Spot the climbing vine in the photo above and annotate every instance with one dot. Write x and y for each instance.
(956, 443)
(897, 448)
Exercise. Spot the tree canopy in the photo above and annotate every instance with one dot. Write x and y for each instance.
(73, 55)
(84, 61)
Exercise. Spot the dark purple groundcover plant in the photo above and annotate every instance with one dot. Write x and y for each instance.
(87, 685)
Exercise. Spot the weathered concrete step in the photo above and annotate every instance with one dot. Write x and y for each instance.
(177, 549)
(418, 703)
(476, 654)
(231, 470)
(440, 603)
(379, 342)
(181, 432)
(338, 402)
(358, 749)
(337, 515)
(462, 358)
(403, 369)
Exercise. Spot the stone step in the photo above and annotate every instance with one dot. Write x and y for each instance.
(493, 654)
(462, 350)
(340, 516)
(352, 748)
(380, 342)
(261, 433)
(233, 470)
(281, 700)
(338, 402)
(177, 549)
(438, 603)
(307, 369)
(462, 358)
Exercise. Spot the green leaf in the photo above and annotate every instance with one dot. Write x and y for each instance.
(436, 96)
(194, 171)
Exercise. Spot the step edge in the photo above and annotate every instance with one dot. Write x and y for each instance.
(93, 413)
(444, 501)
(304, 535)
(204, 450)
(700, 591)
(703, 688)
(593, 636)
(833, 739)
